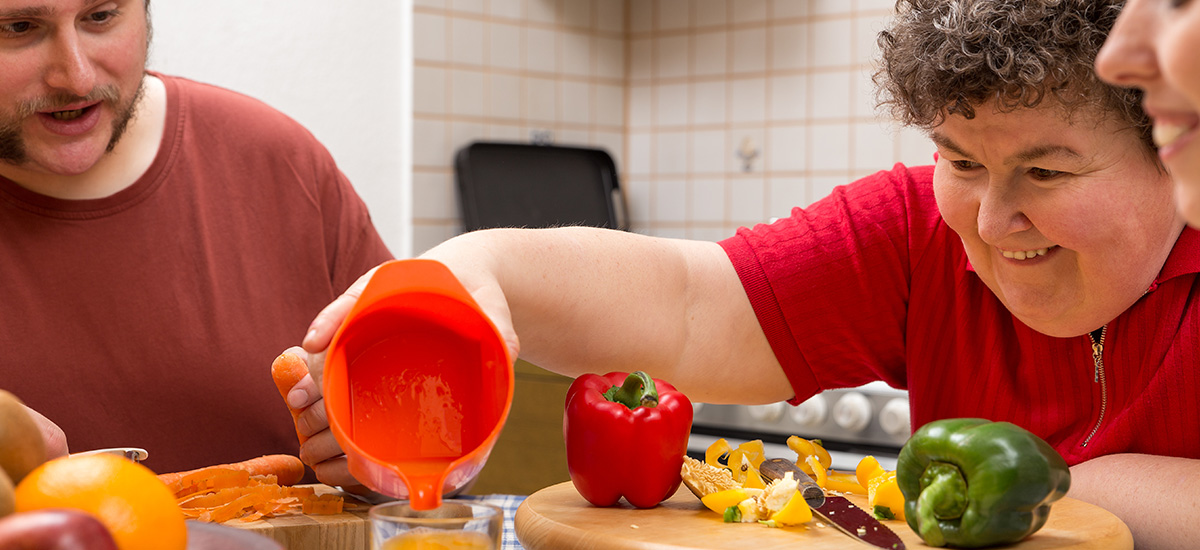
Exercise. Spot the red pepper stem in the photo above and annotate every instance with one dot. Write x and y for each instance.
(637, 391)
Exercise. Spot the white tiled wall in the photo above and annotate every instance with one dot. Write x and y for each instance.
(501, 70)
(672, 88)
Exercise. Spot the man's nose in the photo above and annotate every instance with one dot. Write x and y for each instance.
(70, 70)
(1128, 58)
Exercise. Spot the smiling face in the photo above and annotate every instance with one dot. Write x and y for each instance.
(1153, 46)
(1067, 221)
(73, 71)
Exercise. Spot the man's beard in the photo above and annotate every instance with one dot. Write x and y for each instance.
(12, 145)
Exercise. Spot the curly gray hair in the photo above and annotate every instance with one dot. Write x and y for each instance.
(945, 57)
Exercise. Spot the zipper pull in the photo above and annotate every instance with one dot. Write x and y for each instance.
(1097, 337)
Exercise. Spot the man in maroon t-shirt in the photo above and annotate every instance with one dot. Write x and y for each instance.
(163, 240)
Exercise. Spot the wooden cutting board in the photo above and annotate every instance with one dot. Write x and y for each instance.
(349, 530)
(557, 517)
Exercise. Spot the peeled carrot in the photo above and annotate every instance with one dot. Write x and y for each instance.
(287, 370)
(287, 469)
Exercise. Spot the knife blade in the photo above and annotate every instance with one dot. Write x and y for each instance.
(835, 510)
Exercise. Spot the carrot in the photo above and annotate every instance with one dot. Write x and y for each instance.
(287, 469)
(287, 370)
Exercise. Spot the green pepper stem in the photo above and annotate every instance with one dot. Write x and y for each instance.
(943, 496)
(637, 391)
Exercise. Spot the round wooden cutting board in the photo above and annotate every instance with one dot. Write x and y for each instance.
(557, 517)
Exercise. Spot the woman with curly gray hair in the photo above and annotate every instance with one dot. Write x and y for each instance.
(1036, 274)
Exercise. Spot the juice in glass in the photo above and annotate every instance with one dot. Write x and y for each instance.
(429, 539)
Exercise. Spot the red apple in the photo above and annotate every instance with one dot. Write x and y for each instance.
(54, 529)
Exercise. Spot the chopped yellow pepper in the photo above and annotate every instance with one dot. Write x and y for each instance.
(867, 468)
(721, 500)
(719, 448)
(883, 492)
(795, 512)
(805, 448)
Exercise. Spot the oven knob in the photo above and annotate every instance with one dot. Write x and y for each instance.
(696, 408)
(852, 412)
(893, 417)
(766, 413)
(812, 412)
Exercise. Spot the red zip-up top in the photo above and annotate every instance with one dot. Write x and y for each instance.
(871, 284)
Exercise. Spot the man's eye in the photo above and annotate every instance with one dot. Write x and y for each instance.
(1044, 174)
(102, 16)
(16, 27)
(964, 165)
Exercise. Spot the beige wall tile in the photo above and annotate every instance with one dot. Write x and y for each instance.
(467, 93)
(747, 199)
(785, 194)
(641, 15)
(576, 54)
(608, 57)
(671, 105)
(434, 195)
(543, 11)
(782, 9)
(672, 14)
(541, 100)
(708, 13)
(785, 149)
(830, 43)
(831, 95)
(429, 37)
(707, 200)
(709, 105)
(749, 50)
(429, 90)
(671, 56)
(748, 98)
(541, 47)
(469, 6)
(710, 152)
(510, 9)
(829, 147)
(505, 51)
(789, 98)
(433, 149)
(641, 58)
(609, 109)
(466, 41)
(578, 14)
(749, 11)
(576, 103)
(610, 15)
(504, 95)
(789, 46)
(670, 153)
(670, 200)
(710, 53)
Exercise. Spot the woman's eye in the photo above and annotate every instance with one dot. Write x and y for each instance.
(964, 165)
(1044, 174)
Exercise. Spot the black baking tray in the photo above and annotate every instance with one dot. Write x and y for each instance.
(522, 185)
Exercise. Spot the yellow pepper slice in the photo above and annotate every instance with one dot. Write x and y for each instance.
(845, 482)
(883, 491)
(795, 512)
(721, 500)
(867, 468)
(715, 451)
(805, 448)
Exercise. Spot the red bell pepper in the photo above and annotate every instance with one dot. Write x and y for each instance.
(626, 435)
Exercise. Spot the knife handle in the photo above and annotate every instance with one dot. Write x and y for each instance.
(775, 468)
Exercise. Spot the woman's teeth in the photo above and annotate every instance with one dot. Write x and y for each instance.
(1025, 254)
(1165, 133)
(67, 115)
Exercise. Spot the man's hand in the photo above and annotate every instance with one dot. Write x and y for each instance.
(52, 435)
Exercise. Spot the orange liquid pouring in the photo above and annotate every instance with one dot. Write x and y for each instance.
(413, 409)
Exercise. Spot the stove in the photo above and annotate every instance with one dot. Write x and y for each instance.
(852, 423)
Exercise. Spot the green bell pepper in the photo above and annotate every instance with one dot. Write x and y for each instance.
(970, 482)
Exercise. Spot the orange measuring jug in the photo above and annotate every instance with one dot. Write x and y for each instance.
(417, 383)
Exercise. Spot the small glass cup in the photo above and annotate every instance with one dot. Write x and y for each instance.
(458, 524)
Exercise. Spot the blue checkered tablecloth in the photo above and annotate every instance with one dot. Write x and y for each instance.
(509, 504)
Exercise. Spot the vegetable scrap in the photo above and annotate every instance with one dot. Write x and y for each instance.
(218, 494)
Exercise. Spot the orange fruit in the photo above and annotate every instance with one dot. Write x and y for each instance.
(137, 508)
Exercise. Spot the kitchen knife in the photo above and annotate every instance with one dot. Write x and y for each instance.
(835, 510)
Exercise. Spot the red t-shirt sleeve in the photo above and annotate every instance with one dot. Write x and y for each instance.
(830, 283)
